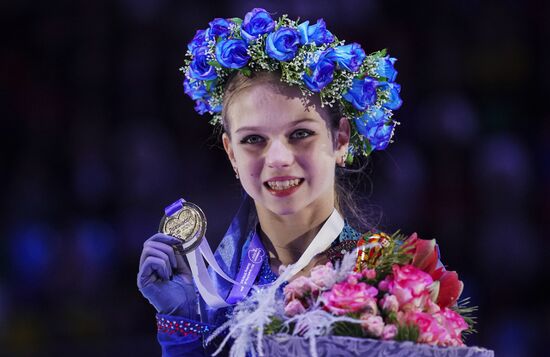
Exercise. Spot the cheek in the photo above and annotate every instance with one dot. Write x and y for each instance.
(319, 166)
(250, 168)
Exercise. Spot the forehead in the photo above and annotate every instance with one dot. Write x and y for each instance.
(268, 105)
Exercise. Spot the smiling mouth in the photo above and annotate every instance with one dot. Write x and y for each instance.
(283, 185)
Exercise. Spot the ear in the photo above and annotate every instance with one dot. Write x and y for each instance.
(228, 149)
(342, 137)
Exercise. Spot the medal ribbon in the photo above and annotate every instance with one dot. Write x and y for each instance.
(251, 265)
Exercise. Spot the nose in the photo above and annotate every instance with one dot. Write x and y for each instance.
(279, 154)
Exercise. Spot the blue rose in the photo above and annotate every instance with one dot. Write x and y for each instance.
(196, 89)
(317, 33)
(218, 28)
(203, 106)
(349, 57)
(375, 127)
(362, 93)
(319, 74)
(384, 68)
(199, 67)
(282, 44)
(232, 53)
(198, 41)
(256, 23)
(394, 100)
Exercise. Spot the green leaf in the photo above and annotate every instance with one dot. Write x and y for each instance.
(343, 328)
(208, 85)
(215, 64)
(237, 21)
(246, 71)
(275, 326)
(407, 333)
(349, 159)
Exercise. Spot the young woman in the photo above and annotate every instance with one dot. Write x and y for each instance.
(295, 105)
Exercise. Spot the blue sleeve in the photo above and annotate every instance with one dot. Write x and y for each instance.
(180, 336)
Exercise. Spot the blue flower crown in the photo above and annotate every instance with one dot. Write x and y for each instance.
(308, 56)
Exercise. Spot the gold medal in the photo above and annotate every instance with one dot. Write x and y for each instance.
(188, 224)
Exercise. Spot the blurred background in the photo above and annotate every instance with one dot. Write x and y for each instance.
(97, 137)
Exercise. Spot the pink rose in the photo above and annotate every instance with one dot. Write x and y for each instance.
(431, 307)
(372, 324)
(431, 332)
(444, 328)
(384, 285)
(454, 324)
(369, 273)
(410, 287)
(345, 297)
(323, 276)
(389, 332)
(354, 277)
(294, 307)
(298, 287)
(389, 303)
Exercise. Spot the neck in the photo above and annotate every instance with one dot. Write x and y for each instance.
(286, 237)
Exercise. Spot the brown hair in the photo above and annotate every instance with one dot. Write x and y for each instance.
(346, 198)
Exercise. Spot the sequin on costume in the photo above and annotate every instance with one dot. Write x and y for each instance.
(181, 327)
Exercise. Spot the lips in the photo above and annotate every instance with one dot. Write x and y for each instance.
(283, 186)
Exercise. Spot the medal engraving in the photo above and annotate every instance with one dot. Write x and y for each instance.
(188, 225)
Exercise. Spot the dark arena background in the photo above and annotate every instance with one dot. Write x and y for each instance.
(97, 137)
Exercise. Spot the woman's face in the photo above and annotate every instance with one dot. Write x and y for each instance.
(282, 148)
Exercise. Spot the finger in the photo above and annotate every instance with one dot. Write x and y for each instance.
(154, 265)
(164, 238)
(152, 252)
(146, 275)
(166, 249)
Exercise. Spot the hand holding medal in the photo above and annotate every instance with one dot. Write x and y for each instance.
(186, 222)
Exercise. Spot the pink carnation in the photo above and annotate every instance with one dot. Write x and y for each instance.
(345, 297)
(410, 287)
(372, 324)
(323, 276)
(294, 307)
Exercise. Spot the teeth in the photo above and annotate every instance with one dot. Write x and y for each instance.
(283, 185)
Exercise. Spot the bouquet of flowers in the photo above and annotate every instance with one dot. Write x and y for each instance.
(388, 288)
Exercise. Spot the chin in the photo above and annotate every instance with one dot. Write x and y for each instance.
(281, 208)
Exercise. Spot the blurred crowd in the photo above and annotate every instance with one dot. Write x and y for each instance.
(98, 137)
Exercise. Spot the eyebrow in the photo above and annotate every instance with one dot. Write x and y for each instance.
(293, 123)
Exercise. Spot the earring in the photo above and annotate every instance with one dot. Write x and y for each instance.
(236, 173)
(343, 161)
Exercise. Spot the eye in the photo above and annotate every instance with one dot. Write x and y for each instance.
(301, 134)
(252, 139)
